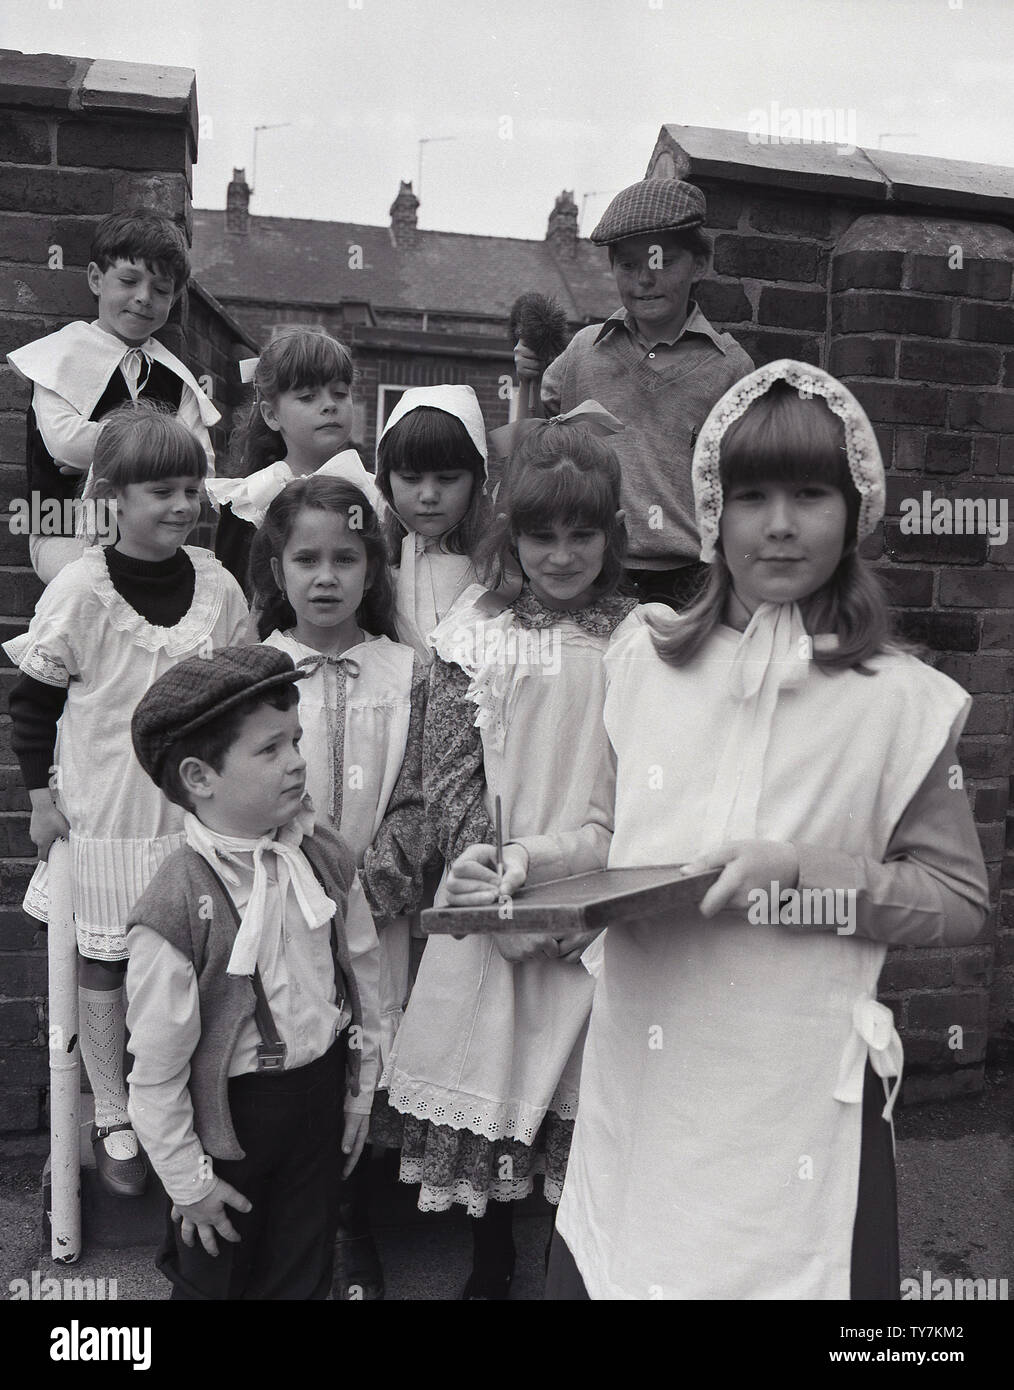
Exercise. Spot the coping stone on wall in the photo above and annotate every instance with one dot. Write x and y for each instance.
(880, 176)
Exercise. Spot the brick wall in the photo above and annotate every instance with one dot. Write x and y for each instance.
(461, 361)
(896, 275)
(78, 139)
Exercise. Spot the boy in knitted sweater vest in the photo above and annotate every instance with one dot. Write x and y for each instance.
(658, 365)
(252, 989)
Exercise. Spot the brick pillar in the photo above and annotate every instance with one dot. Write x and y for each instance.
(78, 139)
(922, 329)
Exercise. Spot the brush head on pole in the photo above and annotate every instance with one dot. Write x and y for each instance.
(541, 324)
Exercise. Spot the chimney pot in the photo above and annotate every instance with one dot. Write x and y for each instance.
(561, 231)
(404, 212)
(237, 203)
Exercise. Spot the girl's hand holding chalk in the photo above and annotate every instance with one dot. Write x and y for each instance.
(473, 880)
(745, 864)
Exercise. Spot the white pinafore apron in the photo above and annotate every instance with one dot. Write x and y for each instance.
(378, 706)
(427, 584)
(487, 1045)
(716, 1153)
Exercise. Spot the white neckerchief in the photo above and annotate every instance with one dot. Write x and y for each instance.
(293, 867)
(772, 655)
(774, 650)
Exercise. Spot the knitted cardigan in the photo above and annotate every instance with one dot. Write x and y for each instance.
(187, 904)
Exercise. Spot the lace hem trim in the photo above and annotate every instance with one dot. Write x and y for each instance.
(463, 1193)
(487, 1118)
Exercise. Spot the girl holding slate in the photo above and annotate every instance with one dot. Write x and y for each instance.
(734, 1138)
(485, 1065)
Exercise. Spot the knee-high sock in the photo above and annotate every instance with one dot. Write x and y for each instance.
(103, 1030)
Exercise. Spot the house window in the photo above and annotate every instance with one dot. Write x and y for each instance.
(388, 396)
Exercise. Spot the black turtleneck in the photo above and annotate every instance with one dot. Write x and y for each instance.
(160, 590)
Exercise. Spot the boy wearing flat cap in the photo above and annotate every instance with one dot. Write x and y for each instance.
(252, 989)
(659, 366)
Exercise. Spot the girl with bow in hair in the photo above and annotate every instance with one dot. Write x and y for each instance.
(485, 1067)
(299, 422)
(734, 1137)
(322, 586)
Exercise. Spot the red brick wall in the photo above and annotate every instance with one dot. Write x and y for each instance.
(925, 339)
(68, 156)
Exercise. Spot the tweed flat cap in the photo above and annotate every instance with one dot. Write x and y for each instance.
(653, 205)
(198, 690)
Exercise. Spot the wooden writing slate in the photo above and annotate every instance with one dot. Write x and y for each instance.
(585, 902)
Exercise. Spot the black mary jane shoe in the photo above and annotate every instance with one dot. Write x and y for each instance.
(121, 1177)
(358, 1274)
(483, 1286)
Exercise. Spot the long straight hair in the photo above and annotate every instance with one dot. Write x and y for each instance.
(428, 440)
(561, 475)
(324, 494)
(301, 357)
(781, 438)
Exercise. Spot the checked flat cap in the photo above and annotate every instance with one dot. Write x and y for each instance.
(198, 690)
(653, 205)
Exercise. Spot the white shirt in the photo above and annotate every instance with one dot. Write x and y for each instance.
(163, 1016)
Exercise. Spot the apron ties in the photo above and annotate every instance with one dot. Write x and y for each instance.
(873, 1037)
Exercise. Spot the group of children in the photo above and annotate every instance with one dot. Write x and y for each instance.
(264, 776)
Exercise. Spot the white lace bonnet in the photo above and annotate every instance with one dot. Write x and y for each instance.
(861, 447)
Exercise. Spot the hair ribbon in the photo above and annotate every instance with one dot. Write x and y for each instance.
(507, 439)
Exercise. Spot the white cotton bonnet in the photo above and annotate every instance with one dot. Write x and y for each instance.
(862, 450)
(459, 401)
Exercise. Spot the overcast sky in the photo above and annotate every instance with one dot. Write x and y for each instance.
(538, 95)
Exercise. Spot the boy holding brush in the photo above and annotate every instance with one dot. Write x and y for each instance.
(659, 366)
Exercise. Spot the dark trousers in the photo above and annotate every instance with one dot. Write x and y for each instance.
(678, 588)
(289, 1125)
(876, 1265)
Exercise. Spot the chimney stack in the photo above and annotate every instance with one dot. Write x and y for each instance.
(237, 203)
(561, 231)
(404, 211)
